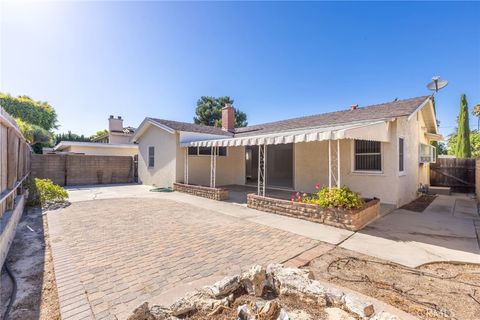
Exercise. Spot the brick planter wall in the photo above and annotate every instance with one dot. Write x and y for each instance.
(347, 219)
(201, 191)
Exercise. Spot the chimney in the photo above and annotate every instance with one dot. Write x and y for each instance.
(115, 124)
(353, 106)
(228, 118)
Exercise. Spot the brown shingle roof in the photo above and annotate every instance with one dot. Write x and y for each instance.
(375, 112)
(191, 127)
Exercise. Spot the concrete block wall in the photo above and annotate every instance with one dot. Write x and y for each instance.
(68, 170)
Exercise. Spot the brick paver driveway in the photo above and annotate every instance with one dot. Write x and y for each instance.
(112, 255)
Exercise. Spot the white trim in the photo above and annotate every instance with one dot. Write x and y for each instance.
(146, 123)
(366, 172)
(418, 109)
(65, 144)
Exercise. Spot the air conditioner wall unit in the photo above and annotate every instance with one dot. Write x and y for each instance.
(427, 153)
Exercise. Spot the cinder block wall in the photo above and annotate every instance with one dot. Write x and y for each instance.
(83, 169)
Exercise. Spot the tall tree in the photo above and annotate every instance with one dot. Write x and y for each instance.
(209, 112)
(463, 149)
(31, 111)
(476, 113)
(70, 137)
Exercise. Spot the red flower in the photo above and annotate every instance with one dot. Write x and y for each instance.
(317, 186)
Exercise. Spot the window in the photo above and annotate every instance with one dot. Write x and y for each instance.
(206, 151)
(401, 159)
(192, 151)
(368, 156)
(151, 157)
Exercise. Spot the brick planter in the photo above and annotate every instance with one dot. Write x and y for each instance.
(201, 191)
(354, 219)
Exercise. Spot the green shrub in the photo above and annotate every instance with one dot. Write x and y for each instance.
(335, 198)
(44, 191)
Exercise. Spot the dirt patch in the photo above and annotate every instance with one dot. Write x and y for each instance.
(420, 204)
(30, 260)
(432, 291)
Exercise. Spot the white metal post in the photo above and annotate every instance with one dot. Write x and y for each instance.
(338, 164)
(185, 169)
(259, 170)
(329, 163)
(264, 167)
(215, 152)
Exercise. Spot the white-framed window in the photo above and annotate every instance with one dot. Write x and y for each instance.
(367, 156)
(206, 151)
(427, 153)
(401, 156)
(151, 157)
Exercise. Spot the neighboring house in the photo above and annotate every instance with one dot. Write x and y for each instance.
(116, 142)
(97, 149)
(117, 133)
(380, 151)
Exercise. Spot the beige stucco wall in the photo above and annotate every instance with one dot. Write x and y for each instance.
(311, 165)
(230, 169)
(163, 174)
(119, 138)
(99, 151)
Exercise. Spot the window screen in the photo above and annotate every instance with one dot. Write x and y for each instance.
(204, 151)
(151, 157)
(401, 154)
(368, 156)
(192, 151)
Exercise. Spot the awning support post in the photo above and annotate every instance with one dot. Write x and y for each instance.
(213, 166)
(185, 167)
(262, 162)
(334, 164)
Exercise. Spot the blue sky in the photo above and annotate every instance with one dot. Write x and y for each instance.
(277, 60)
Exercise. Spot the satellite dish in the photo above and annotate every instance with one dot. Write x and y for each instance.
(437, 84)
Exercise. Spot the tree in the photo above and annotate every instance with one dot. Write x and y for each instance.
(30, 111)
(476, 113)
(209, 112)
(99, 134)
(70, 137)
(463, 149)
(474, 143)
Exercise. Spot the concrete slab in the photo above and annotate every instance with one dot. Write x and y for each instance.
(412, 238)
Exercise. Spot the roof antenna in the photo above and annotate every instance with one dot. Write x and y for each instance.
(437, 84)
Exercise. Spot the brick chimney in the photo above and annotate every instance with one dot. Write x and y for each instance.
(353, 106)
(228, 118)
(115, 124)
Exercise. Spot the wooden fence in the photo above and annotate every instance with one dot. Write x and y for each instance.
(458, 174)
(15, 155)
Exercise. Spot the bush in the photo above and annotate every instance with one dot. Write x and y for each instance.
(334, 198)
(44, 191)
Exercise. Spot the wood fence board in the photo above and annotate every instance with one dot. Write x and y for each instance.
(459, 174)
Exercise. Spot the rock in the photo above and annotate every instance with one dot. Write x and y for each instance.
(293, 281)
(182, 306)
(160, 313)
(337, 314)
(255, 280)
(334, 295)
(299, 315)
(223, 287)
(244, 313)
(361, 308)
(142, 313)
(270, 311)
(283, 315)
(384, 316)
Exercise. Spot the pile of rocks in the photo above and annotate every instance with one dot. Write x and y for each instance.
(257, 282)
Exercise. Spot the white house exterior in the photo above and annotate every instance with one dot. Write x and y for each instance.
(380, 151)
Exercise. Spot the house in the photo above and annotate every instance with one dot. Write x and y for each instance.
(381, 151)
(116, 142)
(117, 133)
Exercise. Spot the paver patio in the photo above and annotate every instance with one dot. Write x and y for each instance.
(112, 255)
